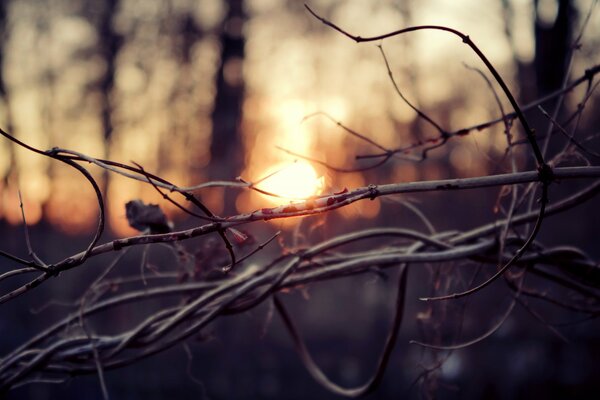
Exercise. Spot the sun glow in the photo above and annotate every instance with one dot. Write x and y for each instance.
(293, 181)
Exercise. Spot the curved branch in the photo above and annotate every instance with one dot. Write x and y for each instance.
(388, 347)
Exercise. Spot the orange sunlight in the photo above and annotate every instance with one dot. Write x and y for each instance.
(293, 181)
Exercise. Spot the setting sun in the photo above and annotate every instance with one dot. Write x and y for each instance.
(295, 181)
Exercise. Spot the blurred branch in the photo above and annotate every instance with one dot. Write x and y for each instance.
(467, 40)
(405, 150)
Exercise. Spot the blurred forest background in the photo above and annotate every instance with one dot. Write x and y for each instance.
(198, 90)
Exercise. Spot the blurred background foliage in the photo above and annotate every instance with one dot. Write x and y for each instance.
(198, 90)
(203, 90)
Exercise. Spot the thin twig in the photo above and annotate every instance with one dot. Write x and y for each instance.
(38, 263)
(388, 347)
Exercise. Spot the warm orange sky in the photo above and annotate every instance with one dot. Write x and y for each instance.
(294, 66)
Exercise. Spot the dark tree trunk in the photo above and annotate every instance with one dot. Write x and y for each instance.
(553, 47)
(3, 39)
(108, 47)
(4, 100)
(553, 50)
(110, 43)
(226, 146)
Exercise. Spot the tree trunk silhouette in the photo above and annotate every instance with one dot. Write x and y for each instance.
(226, 147)
(553, 50)
(553, 47)
(4, 100)
(108, 47)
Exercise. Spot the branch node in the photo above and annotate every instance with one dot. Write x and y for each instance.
(546, 174)
(53, 151)
(590, 72)
(373, 192)
(53, 271)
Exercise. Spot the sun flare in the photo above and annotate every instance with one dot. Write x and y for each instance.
(294, 181)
